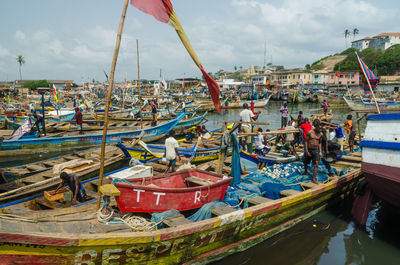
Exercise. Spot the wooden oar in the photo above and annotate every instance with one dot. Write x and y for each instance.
(195, 149)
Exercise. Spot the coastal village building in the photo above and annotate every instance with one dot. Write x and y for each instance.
(320, 77)
(228, 84)
(343, 77)
(291, 77)
(381, 41)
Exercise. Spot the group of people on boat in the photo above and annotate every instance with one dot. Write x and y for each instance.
(322, 141)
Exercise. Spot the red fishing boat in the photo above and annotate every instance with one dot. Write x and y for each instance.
(184, 190)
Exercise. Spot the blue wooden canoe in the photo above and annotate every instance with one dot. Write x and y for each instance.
(36, 145)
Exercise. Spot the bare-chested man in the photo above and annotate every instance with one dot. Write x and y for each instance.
(313, 148)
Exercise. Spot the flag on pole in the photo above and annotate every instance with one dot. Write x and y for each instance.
(365, 73)
(163, 11)
(268, 83)
(55, 93)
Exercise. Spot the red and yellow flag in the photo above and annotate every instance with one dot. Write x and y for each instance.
(163, 11)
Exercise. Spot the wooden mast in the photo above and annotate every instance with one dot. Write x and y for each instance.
(138, 77)
(109, 93)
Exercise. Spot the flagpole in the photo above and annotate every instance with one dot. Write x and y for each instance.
(369, 84)
(109, 93)
(138, 82)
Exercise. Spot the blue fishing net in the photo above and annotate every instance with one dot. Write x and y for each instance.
(158, 217)
(205, 212)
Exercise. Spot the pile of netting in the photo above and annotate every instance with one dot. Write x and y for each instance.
(267, 182)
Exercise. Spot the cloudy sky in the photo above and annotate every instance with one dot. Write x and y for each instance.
(75, 39)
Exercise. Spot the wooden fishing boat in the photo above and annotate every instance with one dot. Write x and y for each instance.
(45, 175)
(207, 151)
(380, 163)
(184, 190)
(384, 106)
(74, 236)
(238, 105)
(34, 145)
(49, 118)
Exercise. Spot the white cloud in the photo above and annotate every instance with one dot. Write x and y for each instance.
(19, 36)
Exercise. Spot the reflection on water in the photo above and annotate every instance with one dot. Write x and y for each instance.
(331, 238)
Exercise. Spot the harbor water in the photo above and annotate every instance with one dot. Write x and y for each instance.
(330, 237)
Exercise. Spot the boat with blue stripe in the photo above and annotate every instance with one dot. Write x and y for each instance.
(75, 141)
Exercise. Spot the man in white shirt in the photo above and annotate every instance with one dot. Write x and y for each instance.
(246, 115)
(171, 150)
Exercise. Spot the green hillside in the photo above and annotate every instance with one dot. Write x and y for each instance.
(382, 62)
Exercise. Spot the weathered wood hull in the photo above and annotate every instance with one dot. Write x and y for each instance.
(197, 243)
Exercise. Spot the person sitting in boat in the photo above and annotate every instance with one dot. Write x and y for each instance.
(171, 151)
(313, 149)
(73, 183)
(325, 106)
(39, 120)
(260, 143)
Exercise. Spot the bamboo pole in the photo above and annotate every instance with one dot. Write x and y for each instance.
(109, 93)
(140, 96)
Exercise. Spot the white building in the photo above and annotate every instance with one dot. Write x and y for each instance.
(228, 84)
(381, 41)
(320, 77)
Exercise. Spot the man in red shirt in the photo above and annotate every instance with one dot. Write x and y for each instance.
(79, 119)
(306, 127)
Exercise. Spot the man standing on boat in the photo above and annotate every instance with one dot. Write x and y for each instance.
(284, 112)
(79, 119)
(313, 149)
(246, 115)
(171, 151)
(325, 106)
(154, 112)
(351, 131)
(39, 119)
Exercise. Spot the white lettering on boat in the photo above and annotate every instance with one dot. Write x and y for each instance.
(197, 196)
(158, 196)
(138, 194)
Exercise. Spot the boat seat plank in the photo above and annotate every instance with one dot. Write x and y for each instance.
(28, 181)
(198, 181)
(71, 157)
(256, 200)
(348, 164)
(52, 163)
(33, 167)
(287, 193)
(309, 185)
(223, 210)
(176, 221)
(46, 203)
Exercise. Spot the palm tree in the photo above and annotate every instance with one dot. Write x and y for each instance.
(346, 35)
(20, 59)
(355, 32)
